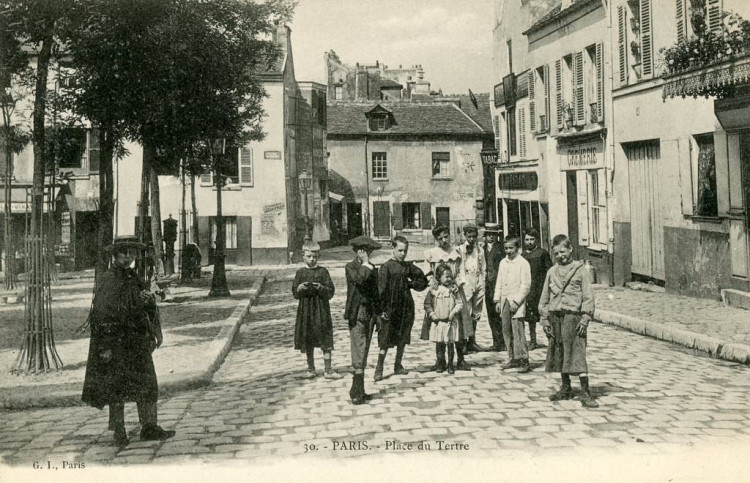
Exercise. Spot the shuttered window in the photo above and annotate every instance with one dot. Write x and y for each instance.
(600, 82)
(713, 17)
(622, 37)
(544, 123)
(498, 136)
(532, 101)
(681, 19)
(522, 132)
(579, 97)
(559, 93)
(246, 167)
(647, 57)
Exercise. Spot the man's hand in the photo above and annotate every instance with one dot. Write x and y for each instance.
(454, 289)
(548, 331)
(159, 338)
(145, 296)
(433, 317)
(513, 306)
(363, 256)
(303, 286)
(106, 355)
(582, 327)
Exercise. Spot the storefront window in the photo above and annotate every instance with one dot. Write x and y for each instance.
(598, 207)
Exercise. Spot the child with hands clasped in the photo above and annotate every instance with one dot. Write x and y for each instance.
(443, 306)
(314, 288)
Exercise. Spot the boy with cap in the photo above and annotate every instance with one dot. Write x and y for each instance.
(471, 277)
(361, 310)
(539, 262)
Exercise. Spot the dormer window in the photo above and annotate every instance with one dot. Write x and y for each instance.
(379, 123)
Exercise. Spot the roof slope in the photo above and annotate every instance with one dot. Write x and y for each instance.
(348, 118)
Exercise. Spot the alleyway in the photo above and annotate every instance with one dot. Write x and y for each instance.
(654, 399)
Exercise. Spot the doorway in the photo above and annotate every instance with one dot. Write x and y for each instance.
(354, 219)
(443, 216)
(382, 210)
(572, 197)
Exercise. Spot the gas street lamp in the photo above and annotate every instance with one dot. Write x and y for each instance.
(305, 187)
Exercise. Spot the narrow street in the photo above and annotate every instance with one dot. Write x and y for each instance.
(655, 399)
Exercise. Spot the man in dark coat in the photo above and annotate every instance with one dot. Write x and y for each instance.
(396, 279)
(539, 262)
(362, 309)
(493, 254)
(124, 332)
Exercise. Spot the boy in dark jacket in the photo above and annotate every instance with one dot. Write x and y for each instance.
(362, 309)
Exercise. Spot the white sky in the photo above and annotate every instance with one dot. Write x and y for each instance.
(452, 39)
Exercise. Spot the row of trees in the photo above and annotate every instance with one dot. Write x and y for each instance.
(173, 75)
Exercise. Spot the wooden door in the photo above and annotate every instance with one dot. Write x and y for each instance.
(382, 210)
(443, 216)
(571, 180)
(354, 219)
(646, 218)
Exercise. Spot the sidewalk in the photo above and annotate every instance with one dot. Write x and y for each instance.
(194, 347)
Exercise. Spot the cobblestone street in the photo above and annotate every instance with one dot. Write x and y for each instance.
(655, 399)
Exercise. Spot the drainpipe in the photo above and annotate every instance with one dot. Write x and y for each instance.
(611, 134)
(367, 186)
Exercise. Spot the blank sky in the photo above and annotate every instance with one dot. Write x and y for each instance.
(452, 39)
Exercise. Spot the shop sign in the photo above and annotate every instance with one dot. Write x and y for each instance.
(518, 181)
(582, 156)
(271, 154)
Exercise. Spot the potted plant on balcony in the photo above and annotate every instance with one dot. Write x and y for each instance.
(567, 112)
(635, 50)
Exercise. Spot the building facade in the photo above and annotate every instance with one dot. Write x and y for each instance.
(400, 168)
(276, 194)
(644, 162)
(550, 124)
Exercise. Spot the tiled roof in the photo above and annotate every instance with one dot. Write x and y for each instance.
(481, 114)
(389, 83)
(557, 13)
(348, 118)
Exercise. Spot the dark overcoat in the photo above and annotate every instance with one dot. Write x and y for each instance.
(396, 280)
(314, 326)
(361, 290)
(539, 264)
(120, 322)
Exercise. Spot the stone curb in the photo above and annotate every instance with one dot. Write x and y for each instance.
(69, 394)
(693, 340)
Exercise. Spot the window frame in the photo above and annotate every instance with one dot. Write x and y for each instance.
(697, 176)
(444, 158)
(230, 231)
(379, 165)
(416, 213)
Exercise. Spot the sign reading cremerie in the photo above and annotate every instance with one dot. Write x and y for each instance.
(581, 156)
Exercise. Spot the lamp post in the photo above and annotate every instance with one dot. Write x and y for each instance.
(489, 163)
(219, 281)
(305, 186)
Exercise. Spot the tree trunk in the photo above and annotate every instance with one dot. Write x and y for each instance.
(106, 199)
(9, 269)
(156, 231)
(194, 206)
(38, 345)
(144, 262)
(219, 282)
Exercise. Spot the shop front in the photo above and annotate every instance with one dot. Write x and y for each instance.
(519, 204)
(582, 162)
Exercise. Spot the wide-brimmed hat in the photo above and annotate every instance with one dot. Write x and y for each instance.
(125, 241)
(364, 242)
(491, 228)
(470, 228)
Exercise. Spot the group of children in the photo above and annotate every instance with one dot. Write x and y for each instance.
(565, 307)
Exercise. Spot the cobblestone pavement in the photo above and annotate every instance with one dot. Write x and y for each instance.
(655, 399)
(704, 316)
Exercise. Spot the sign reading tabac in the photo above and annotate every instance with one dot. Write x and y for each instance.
(581, 156)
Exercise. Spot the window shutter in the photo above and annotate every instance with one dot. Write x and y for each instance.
(714, 8)
(398, 217)
(622, 52)
(425, 215)
(600, 82)
(547, 119)
(496, 125)
(246, 166)
(558, 92)
(681, 20)
(647, 58)
(94, 150)
(685, 159)
(521, 132)
(532, 101)
(578, 93)
(583, 207)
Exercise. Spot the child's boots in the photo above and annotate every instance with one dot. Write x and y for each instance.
(440, 353)
(451, 369)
